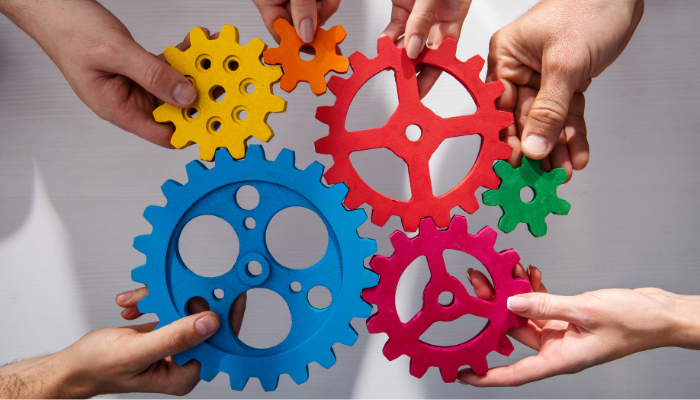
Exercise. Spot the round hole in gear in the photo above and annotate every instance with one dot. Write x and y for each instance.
(307, 53)
(267, 321)
(232, 64)
(191, 113)
(240, 114)
(204, 62)
(254, 268)
(527, 194)
(295, 287)
(217, 93)
(249, 88)
(208, 246)
(250, 223)
(247, 197)
(320, 297)
(288, 246)
(214, 125)
(414, 132)
(446, 299)
(218, 294)
(197, 305)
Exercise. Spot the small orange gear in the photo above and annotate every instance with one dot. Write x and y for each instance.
(313, 71)
(234, 94)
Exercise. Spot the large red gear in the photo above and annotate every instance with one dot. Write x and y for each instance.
(404, 338)
(486, 122)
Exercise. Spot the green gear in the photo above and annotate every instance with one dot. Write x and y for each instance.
(533, 213)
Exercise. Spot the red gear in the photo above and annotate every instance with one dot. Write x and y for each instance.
(487, 122)
(405, 338)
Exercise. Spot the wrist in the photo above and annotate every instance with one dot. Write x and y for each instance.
(685, 321)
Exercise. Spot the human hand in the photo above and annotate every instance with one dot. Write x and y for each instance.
(112, 74)
(305, 15)
(425, 21)
(546, 59)
(572, 333)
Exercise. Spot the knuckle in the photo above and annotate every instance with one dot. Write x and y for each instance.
(424, 19)
(543, 306)
(549, 111)
(156, 76)
(178, 341)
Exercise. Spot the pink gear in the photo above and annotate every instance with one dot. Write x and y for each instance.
(405, 338)
(486, 122)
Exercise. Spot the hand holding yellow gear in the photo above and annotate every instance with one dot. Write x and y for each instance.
(234, 94)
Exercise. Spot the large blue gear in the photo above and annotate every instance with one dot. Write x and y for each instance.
(280, 185)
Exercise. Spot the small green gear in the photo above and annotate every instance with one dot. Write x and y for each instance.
(515, 210)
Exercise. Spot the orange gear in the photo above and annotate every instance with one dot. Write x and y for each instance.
(313, 71)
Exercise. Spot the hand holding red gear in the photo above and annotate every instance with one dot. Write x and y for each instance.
(486, 122)
(405, 338)
(313, 71)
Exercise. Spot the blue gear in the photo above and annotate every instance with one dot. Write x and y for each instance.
(280, 185)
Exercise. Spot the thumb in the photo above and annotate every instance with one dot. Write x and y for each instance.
(179, 336)
(550, 109)
(156, 76)
(546, 306)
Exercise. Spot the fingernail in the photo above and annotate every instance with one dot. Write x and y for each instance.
(414, 46)
(536, 144)
(518, 304)
(306, 30)
(123, 297)
(184, 93)
(469, 274)
(206, 325)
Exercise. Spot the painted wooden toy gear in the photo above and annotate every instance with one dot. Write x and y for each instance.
(280, 185)
(404, 338)
(214, 67)
(515, 210)
(486, 122)
(313, 71)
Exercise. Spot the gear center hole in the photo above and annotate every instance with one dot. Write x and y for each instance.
(254, 268)
(446, 299)
(307, 53)
(527, 194)
(414, 132)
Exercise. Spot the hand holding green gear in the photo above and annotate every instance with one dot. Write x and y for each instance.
(515, 210)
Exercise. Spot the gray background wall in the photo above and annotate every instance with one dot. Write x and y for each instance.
(73, 187)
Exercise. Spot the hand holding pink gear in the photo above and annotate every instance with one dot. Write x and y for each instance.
(486, 122)
(405, 338)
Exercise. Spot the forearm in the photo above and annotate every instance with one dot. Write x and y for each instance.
(40, 377)
(686, 322)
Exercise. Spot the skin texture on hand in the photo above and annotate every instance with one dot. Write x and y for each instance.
(546, 59)
(572, 333)
(114, 360)
(111, 73)
(304, 15)
(417, 23)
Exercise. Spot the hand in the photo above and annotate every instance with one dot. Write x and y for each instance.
(305, 15)
(114, 360)
(572, 333)
(129, 300)
(546, 59)
(425, 21)
(111, 73)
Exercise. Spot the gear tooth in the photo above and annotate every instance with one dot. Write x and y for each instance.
(299, 375)
(255, 152)
(229, 33)
(362, 309)
(237, 384)
(479, 365)
(198, 37)
(171, 53)
(507, 223)
(333, 175)
(503, 169)
(449, 374)
(348, 336)
(195, 170)
(223, 159)
(561, 207)
(409, 224)
(505, 347)
(314, 171)
(418, 368)
(427, 225)
(286, 157)
(384, 44)
(369, 247)
(459, 223)
(449, 46)
(140, 274)
(359, 60)
(391, 351)
(206, 153)
(318, 86)
(208, 372)
(352, 200)
(326, 359)
(559, 176)
(170, 188)
(152, 214)
(476, 63)
(335, 84)
(369, 278)
(399, 240)
(179, 141)
(488, 236)
(270, 56)
(357, 217)
(491, 197)
(142, 243)
(269, 383)
(379, 216)
(325, 113)
(338, 191)
(537, 228)
(370, 295)
(147, 305)
(442, 219)
(183, 358)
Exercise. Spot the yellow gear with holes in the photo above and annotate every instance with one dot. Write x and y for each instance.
(234, 94)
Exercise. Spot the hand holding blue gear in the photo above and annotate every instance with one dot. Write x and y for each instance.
(280, 185)
(515, 210)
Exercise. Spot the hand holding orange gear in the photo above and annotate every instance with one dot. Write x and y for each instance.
(314, 71)
(234, 94)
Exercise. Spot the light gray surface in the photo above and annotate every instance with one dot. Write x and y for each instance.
(68, 217)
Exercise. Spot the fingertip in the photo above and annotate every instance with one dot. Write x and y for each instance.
(414, 46)
(207, 323)
(536, 146)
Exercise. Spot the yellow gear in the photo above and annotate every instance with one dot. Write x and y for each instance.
(234, 94)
